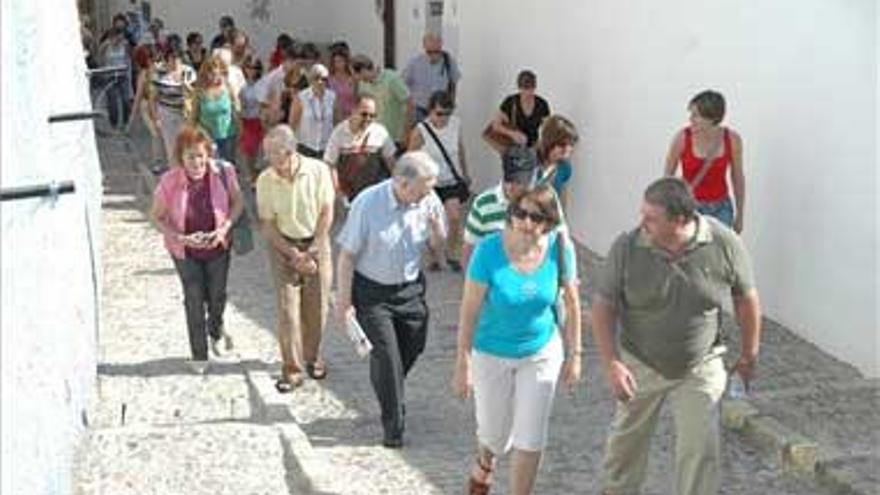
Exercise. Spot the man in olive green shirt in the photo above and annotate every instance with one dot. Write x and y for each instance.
(665, 283)
(393, 100)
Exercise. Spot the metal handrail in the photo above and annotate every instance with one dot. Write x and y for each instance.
(52, 189)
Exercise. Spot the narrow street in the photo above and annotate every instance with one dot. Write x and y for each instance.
(161, 429)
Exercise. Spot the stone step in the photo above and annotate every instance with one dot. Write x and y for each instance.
(221, 458)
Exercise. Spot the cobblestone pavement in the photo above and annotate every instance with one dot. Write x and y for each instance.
(161, 429)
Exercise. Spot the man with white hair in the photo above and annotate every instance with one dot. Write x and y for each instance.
(380, 280)
(295, 206)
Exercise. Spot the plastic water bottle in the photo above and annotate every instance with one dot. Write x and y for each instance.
(736, 388)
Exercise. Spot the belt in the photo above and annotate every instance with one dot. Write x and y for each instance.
(301, 242)
(391, 287)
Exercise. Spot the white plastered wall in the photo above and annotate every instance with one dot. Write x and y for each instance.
(50, 256)
(319, 21)
(800, 77)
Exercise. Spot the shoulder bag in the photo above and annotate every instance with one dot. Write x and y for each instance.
(458, 178)
(242, 237)
(707, 164)
(497, 140)
(560, 280)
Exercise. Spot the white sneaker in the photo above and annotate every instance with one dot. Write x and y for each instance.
(197, 367)
(216, 350)
(215, 347)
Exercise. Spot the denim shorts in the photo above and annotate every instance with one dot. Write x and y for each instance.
(721, 210)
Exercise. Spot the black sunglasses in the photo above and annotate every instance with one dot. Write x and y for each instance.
(368, 115)
(521, 214)
(443, 113)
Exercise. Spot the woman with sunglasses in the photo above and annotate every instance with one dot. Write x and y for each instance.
(510, 344)
(440, 136)
(360, 151)
(313, 113)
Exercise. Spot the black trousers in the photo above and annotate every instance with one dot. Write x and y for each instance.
(204, 288)
(395, 319)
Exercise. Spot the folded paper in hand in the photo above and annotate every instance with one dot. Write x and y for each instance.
(357, 336)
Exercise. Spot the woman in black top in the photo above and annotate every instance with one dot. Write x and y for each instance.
(522, 113)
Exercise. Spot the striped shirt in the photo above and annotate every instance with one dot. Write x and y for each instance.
(170, 90)
(487, 215)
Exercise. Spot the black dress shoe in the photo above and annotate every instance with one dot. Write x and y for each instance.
(392, 442)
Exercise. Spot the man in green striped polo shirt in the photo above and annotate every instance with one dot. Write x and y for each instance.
(489, 209)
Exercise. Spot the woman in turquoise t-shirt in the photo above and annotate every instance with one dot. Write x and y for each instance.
(558, 136)
(509, 347)
(216, 107)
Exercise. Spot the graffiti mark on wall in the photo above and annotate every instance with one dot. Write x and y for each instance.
(260, 10)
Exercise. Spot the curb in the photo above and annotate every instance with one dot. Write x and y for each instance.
(314, 474)
(795, 452)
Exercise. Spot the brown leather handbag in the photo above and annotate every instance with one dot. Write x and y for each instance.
(359, 169)
(499, 141)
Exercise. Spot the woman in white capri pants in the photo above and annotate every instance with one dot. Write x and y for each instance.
(510, 350)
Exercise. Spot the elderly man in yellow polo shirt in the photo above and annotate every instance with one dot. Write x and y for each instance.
(295, 205)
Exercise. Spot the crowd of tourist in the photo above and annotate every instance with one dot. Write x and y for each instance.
(331, 144)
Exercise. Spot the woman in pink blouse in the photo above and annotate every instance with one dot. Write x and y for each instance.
(195, 205)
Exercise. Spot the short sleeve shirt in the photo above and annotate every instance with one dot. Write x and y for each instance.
(668, 308)
(387, 237)
(295, 205)
(517, 317)
(391, 96)
(374, 139)
(561, 177)
(269, 84)
(488, 214)
(424, 78)
(528, 124)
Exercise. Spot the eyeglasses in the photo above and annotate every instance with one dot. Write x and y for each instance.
(368, 115)
(521, 214)
(443, 113)
(433, 52)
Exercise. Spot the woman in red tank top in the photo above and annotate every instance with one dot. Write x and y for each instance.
(705, 139)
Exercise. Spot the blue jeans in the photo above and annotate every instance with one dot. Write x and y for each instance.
(721, 210)
(226, 149)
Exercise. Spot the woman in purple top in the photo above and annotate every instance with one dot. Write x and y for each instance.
(195, 205)
(341, 81)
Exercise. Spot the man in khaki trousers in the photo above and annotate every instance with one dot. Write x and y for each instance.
(295, 206)
(665, 282)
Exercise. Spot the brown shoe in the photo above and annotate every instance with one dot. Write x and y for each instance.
(289, 381)
(316, 370)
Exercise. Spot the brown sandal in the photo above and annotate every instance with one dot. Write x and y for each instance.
(477, 487)
(288, 382)
(316, 370)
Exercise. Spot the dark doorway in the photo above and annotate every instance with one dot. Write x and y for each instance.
(388, 21)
